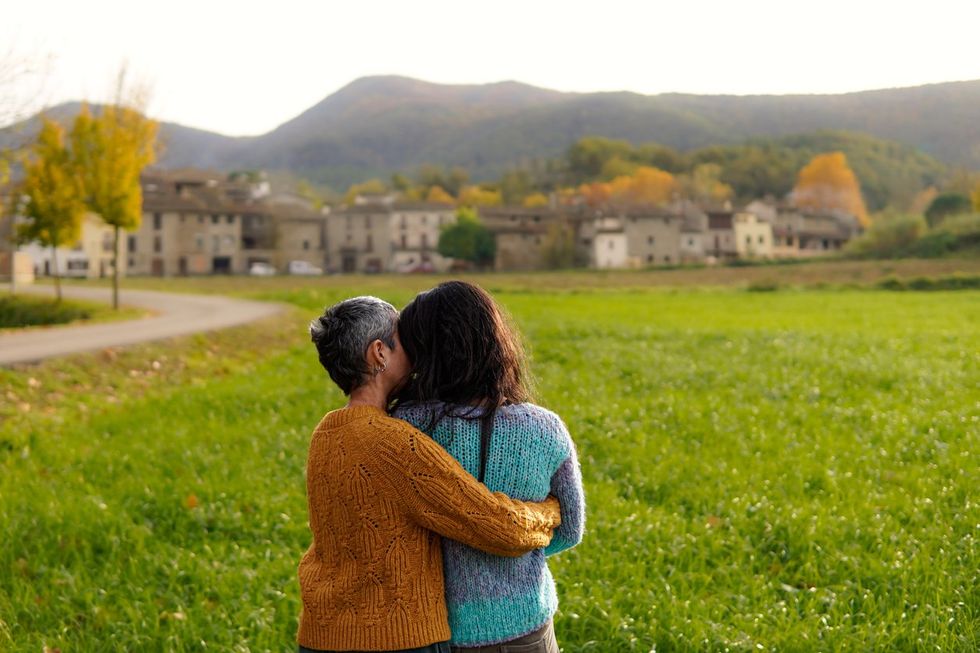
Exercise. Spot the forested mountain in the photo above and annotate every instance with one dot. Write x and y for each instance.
(378, 125)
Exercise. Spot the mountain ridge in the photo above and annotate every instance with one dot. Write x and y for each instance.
(380, 124)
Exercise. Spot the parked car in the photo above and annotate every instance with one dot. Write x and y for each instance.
(303, 267)
(260, 269)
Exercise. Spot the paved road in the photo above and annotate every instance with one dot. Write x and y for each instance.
(177, 315)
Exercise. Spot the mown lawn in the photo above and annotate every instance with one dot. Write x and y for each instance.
(780, 471)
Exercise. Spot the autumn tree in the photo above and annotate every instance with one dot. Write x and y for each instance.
(479, 196)
(111, 149)
(369, 187)
(438, 195)
(827, 182)
(704, 185)
(468, 239)
(645, 186)
(51, 195)
(535, 200)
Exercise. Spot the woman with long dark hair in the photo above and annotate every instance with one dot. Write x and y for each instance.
(469, 391)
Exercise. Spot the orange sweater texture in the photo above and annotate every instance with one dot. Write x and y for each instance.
(379, 491)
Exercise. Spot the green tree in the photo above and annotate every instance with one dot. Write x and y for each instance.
(558, 249)
(468, 239)
(587, 157)
(947, 204)
(51, 195)
(111, 149)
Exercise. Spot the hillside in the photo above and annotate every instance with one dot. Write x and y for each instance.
(377, 125)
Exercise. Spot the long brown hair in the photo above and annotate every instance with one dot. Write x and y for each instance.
(463, 352)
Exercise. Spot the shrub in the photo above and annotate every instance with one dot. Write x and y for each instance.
(17, 311)
(889, 236)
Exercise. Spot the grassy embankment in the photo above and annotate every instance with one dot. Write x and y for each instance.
(786, 471)
(22, 311)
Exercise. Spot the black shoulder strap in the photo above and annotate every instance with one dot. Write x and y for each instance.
(486, 432)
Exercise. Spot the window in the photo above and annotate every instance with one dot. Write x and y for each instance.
(425, 219)
(230, 219)
(612, 245)
(214, 218)
(157, 221)
(425, 241)
(789, 240)
(369, 247)
(404, 241)
(157, 244)
(229, 241)
(748, 240)
(649, 258)
(649, 240)
(761, 239)
(690, 242)
(306, 244)
(199, 242)
(200, 219)
(132, 243)
(586, 241)
(132, 263)
(666, 259)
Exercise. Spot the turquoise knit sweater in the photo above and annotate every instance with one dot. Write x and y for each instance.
(493, 599)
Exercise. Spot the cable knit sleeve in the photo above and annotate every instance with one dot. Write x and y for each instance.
(441, 496)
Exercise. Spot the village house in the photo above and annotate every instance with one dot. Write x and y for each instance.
(523, 234)
(201, 222)
(382, 234)
(89, 258)
(737, 234)
(805, 232)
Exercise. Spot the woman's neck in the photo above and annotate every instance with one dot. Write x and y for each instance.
(369, 395)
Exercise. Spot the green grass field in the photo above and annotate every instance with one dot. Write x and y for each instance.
(779, 471)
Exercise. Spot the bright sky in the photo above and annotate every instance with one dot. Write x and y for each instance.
(245, 67)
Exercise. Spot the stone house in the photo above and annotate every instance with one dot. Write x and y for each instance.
(387, 236)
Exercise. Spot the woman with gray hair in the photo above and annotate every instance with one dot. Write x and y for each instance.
(380, 492)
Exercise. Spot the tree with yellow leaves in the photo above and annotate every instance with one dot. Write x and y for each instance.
(369, 187)
(51, 196)
(438, 195)
(647, 185)
(827, 182)
(535, 200)
(478, 196)
(111, 149)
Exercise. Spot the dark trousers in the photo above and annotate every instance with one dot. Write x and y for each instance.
(541, 640)
(441, 647)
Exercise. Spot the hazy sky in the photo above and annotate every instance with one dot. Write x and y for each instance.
(245, 67)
